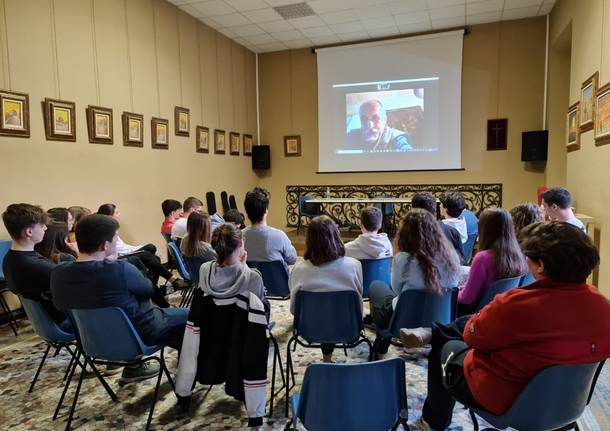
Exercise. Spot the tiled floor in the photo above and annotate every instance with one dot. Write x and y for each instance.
(20, 356)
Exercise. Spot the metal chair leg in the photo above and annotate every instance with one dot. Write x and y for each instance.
(9, 313)
(67, 384)
(156, 393)
(109, 391)
(475, 422)
(73, 407)
(44, 357)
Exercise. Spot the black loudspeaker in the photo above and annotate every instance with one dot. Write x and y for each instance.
(261, 157)
(535, 146)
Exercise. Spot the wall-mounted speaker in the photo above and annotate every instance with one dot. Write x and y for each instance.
(261, 157)
(535, 146)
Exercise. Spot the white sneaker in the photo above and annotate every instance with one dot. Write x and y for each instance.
(416, 337)
(421, 425)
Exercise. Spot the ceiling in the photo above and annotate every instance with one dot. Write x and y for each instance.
(256, 25)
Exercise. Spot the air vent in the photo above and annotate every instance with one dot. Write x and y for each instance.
(295, 10)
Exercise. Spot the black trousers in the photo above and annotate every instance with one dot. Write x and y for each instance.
(147, 256)
(446, 380)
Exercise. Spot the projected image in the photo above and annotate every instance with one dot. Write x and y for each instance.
(384, 121)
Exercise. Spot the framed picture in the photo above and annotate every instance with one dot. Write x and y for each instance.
(15, 114)
(99, 125)
(572, 132)
(59, 120)
(587, 103)
(159, 133)
(247, 142)
(234, 143)
(292, 146)
(182, 118)
(203, 139)
(219, 141)
(133, 129)
(602, 115)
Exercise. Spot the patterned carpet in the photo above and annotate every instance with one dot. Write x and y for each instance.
(19, 357)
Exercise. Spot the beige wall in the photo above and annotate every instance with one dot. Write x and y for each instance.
(587, 167)
(503, 76)
(143, 56)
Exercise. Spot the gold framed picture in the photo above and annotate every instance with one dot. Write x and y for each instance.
(588, 91)
(133, 129)
(247, 143)
(14, 114)
(159, 133)
(234, 143)
(203, 139)
(219, 141)
(602, 115)
(99, 125)
(59, 120)
(292, 146)
(182, 118)
(572, 130)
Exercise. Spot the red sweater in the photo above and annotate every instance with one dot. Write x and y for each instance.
(525, 330)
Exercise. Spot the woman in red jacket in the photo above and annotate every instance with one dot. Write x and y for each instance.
(558, 319)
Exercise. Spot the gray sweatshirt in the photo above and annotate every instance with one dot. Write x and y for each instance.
(369, 246)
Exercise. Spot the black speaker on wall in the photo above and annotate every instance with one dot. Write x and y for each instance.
(535, 146)
(261, 157)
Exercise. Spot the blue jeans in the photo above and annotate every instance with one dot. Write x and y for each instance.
(167, 329)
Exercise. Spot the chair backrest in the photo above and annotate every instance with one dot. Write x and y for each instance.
(179, 259)
(224, 200)
(232, 202)
(210, 200)
(328, 317)
(337, 397)
(193, 263)
(42, 322)
(499, 286)
(468, 246)
(527, 279)
(107, 334)
(375, 269)
(418, 308)
(389, 208)
(472, 222)
(275, 277)
(308, 210)
(553, 398)
(5, 246)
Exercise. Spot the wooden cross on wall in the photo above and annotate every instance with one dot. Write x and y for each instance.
(497, 131)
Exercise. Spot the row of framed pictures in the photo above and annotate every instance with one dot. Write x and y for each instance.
(591, 112)
(60, 119)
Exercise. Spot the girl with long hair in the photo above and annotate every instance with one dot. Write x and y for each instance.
(198, 237)
(54, 245)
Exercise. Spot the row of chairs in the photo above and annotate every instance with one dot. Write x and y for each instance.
(7, 314)
(228, 202)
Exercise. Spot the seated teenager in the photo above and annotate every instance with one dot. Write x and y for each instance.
(197, 240)
(96, 281)
(27, 272)
(235, 217)
(452, 205)
(64, 215)
(427, 201)
(171, 211)
(559, 319)
(524, 215)
(191, 204)
(499, 256)
(146, 254)
(78, 213)
(557, 203)
(264, 243)
(325, 268)
(54, 245)
(370, 244)
(425, 261)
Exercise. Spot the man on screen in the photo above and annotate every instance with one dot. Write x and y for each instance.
(374, 134)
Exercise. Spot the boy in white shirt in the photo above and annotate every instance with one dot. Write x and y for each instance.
(452, 205)
(370, 244)
(191, 204)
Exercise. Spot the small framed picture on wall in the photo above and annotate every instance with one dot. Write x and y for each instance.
(234, 143)
(133, 129)
(219, 141)
(203, 139)
(588, 91)
(159, 131)
(59, 120)
(14, 114)
(602, 115)
(572, 130)
(247, 141)
(182, 118)
(292, 146)
(99, 125)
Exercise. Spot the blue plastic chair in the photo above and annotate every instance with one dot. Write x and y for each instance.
(124, 347)
(375, 269)
(193, 264)
(304, 212)
(5, 246)
(325, 318)
(178, 258)
(468, 246)
(275, 278)
(553, 400)
(497, 287)
(472, 222)
(370, 396)
(527, 279)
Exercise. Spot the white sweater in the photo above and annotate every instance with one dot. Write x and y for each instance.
(369, 246)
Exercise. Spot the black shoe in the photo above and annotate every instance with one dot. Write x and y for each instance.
(368, 319)
(180, 284)
(143, 371)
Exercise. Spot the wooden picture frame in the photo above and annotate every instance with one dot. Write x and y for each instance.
(14, 114)
(247, 143)
(133, 129)
(588, 91)
(99, 125)
(572, 128)
(182, 121)
(159, 133)
(292, 146)
(219, 141)
(602, 115)
(234, 143)
(59, 120)
(202, 144)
